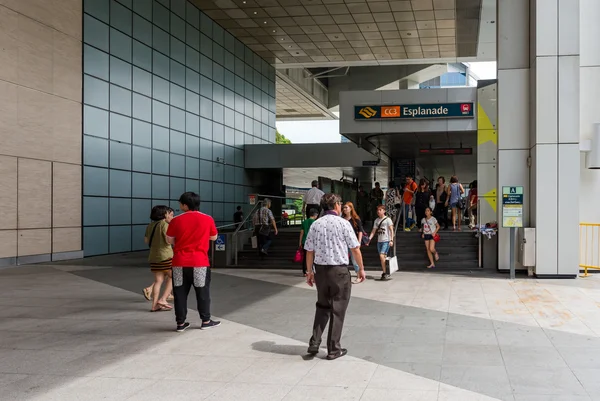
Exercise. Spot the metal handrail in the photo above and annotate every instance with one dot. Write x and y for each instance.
(242, 224)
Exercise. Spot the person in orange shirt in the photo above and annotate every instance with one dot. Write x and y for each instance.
(409, 191)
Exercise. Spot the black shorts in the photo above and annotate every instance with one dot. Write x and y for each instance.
(428, 237)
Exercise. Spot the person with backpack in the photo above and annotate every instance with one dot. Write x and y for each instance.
(454, 198)
(384, 228)
(161, 255)
(350, 214)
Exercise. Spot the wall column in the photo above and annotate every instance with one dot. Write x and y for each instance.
(538, 113)
(513, 108)
(589, 68)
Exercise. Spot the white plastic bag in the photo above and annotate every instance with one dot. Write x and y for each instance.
(393, 265)
(254, 242)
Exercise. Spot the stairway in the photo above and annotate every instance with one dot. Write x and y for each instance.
(457, 250)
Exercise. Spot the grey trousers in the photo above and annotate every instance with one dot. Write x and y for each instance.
(333, 295)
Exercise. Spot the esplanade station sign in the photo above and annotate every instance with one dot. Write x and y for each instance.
(414, 111)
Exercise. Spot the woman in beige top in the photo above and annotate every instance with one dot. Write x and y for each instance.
(161, 254)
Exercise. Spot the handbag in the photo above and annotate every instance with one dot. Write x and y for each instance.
(264, 230)
(299, 257)
(436, 237)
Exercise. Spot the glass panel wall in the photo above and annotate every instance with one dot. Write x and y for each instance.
(170, 100)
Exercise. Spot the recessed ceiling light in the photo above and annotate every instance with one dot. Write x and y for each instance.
(282, 38)
(274, 31)
(255, 12)
(290, 46)
(265, 22)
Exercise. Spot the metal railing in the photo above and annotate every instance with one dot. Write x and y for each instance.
(256, 207)
(589, 247)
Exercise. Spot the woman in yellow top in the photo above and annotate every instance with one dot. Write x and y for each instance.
(161, 254)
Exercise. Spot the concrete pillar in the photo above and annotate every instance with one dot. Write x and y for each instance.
(589, 95)
(538, 114)
(513, 108)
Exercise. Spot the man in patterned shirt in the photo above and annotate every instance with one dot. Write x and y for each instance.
(327, 246)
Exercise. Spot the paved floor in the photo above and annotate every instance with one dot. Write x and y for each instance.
(83, 332)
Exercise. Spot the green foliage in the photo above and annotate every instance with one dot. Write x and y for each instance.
(281, 139)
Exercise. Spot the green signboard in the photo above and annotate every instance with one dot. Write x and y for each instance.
(512, 207)
(414, 111)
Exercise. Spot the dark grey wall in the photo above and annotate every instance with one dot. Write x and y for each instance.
(170, 101)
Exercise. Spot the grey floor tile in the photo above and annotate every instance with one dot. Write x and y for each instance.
(472, 355)
(468, 322)
(340, 373)
(427, 370)
(276, 371)
(40, 387)
(323, 393)
(372, 394)
(98, 388)
(571, 340)
(552, 398)
(532, 357)
(250, 392)
(469, 336)
(488, 380)
(427, 335)
(414, 353)
(525, 337)
(424, 321)
(177, 390)
(369, 334)
(577, 357)
(368, 352)
(590, 379)
(220, 369)
(527, 381)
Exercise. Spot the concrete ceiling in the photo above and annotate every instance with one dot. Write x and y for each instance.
(316, 33)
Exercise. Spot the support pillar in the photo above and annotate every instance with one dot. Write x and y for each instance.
(538, 123)
(589, 64)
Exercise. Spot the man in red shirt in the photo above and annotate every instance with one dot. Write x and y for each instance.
(191, 233)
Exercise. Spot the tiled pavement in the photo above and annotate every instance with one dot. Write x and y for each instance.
(83, 333)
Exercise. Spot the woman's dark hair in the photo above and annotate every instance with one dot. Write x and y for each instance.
(191, 200)
(391, 185)
(453, 179)
(428, 208)
(422, 182)
(313, 212)
(159, 212)
(474, 184)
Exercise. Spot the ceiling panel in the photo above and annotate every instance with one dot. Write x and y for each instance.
(350, 30)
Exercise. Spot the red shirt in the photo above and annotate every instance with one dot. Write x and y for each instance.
(192, 232)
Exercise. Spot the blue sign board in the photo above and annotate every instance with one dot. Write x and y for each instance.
(414, 111)
(220, 242)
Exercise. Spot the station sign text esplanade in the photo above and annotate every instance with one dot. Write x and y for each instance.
(414, 111)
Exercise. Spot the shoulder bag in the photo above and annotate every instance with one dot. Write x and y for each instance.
(152, 235)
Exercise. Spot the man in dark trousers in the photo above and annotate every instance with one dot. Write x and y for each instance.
(327, 246)
(191, 233)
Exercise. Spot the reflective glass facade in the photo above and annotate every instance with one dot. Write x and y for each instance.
(170, 100)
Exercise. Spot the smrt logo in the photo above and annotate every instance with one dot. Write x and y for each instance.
(465, 108)
(367, 112)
